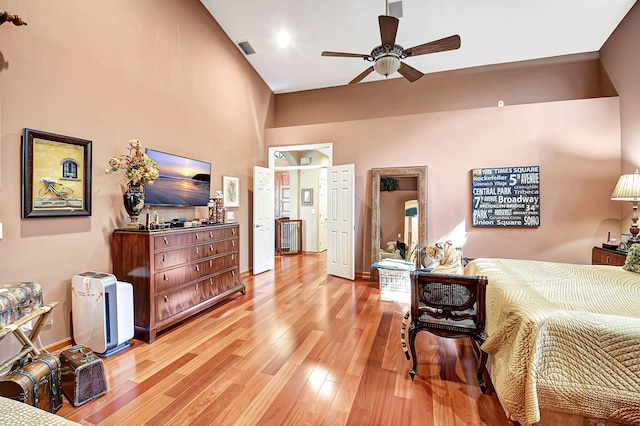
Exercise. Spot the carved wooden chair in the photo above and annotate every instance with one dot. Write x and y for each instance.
(451, 306)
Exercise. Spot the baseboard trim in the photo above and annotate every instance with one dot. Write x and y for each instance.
(363, 275)
(60, 345)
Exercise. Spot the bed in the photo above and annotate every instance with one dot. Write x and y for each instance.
(563, 337)
(18, 413)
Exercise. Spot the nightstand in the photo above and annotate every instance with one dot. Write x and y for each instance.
(602, 256)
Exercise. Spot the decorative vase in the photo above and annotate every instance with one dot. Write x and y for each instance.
(133, 204)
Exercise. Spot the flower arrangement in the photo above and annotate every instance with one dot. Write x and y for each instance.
(139, 168)
(632, 263)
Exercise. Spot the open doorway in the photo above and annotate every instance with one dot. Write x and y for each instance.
(301, 210)
(301, 190)
(322, 195)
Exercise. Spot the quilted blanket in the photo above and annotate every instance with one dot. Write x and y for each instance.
(564, 337)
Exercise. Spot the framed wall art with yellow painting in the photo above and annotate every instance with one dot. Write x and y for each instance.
(56, 175)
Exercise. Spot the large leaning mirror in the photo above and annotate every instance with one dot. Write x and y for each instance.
(398, 212)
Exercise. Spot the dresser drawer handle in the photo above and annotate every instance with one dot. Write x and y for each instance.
(197, 249)
(164, 277)
(608, 260)
(166, 299)
(165, 240)
(197, 235)
(196, 286)
(233, 273)
(233, 256)
(210, 263)
(210, 234)
(210, 281)
(210, 247)
(233, 231)
(197, 268)
(164, 257)
(233, 243)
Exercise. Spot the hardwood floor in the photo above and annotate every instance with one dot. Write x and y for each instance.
(300, 348)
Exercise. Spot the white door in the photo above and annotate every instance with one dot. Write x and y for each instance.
(322, 213)
(263, 219)
(341, 251)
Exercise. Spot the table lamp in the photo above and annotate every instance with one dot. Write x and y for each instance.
(628, 189)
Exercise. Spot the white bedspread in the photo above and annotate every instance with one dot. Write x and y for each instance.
(565, 337)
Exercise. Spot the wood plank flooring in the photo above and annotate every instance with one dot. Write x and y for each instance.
(300, 348)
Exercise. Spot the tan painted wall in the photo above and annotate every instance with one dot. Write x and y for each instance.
(621, 60)
(544, 80)
(109, 71)
(575, 143)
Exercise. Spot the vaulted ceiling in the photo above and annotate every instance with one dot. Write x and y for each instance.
(492, 32)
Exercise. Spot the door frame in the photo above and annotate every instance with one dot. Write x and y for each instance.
(290, 151)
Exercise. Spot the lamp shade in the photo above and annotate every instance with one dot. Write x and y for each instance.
(628, 188)
(387, 65)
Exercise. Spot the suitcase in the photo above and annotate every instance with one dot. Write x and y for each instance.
(18, 300)
(36, 382)
(83, 377)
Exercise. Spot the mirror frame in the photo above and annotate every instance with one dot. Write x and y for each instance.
(421, 173)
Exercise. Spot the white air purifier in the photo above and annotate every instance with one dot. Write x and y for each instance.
(102, 312)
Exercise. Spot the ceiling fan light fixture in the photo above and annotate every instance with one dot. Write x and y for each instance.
(387, 65)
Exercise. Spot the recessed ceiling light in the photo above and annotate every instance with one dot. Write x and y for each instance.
(284, 38)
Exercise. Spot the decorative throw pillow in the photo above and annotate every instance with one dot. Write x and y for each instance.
(632, 263)
(447, 257)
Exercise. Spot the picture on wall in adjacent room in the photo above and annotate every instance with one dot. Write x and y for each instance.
(56, 175)
(307, 196)
(231, 191)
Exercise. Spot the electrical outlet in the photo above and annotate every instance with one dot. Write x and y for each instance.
(27, 326)
(230, 215)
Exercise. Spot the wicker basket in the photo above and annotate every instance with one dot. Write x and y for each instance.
(394, 280)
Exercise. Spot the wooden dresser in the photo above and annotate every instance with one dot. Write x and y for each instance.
(602, 256)
(176, 273)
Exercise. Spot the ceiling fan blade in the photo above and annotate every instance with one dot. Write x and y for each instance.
(362, 75)
(409, 73)
(347, 55)
(388, 30)
(444, 44)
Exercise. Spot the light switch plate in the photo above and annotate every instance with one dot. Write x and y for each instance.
(230, 215)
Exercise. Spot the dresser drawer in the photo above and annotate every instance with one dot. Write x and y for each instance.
(162, 242)
(221, 247)
(173, 277)
(223, 262)
(172, 258)
(214, 234)
(173, 302)
(601, 256)
(221, 283)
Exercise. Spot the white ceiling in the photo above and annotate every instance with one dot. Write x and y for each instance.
(492, 32)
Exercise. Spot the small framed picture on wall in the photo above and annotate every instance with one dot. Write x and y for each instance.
(231, 191)
(307, 196)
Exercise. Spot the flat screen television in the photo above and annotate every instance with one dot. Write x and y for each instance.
(182, 182)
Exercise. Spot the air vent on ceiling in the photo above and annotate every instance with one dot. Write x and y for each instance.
(246, 48)
(395, 9)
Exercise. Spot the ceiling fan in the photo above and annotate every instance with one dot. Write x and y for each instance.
(387, 56)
